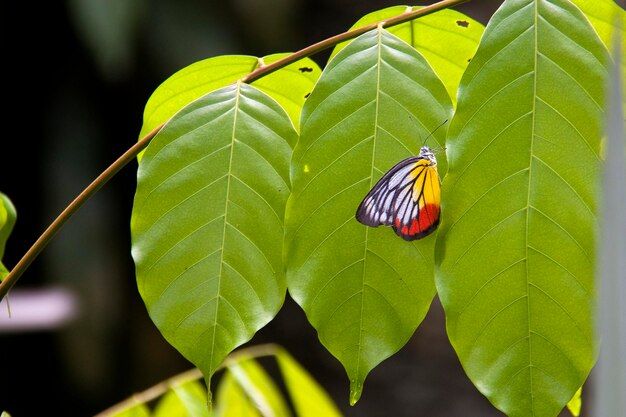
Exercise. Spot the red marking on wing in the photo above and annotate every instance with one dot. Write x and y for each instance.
(428, 215)
(427, 223)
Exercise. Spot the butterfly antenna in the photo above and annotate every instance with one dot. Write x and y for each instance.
(433, 132)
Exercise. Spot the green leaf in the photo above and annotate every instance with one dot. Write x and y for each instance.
(7, 221)
(188, 399)
(365, 290)
(232, 401)
(193, 82)
(259, 387)
(575, 403)
(516, 246)
(447, 39)
(207, 222)
(308, 398)
(288, 86)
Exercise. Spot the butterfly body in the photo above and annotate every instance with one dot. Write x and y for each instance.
(405, 198)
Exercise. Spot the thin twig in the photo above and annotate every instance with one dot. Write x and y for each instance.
(69, 211)
(334, 40)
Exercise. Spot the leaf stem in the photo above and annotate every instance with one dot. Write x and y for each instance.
(130, 154)
(162, 387)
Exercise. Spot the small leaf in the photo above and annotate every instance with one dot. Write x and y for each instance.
(232, 401)
(308, 398)
(516, 245)
(288, 86)
(259, 387)
(188, 399)
(207, 223)
(447, 39)
(364, 289)
(575, 403)
(7, 221)
(193, 82)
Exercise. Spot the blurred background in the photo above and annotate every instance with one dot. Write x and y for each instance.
(78, 74)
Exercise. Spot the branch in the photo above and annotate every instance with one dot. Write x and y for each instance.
(129, 155)
(334, 40)
(69, 211)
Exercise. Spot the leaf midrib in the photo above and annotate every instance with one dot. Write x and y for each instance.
(219, 278)
(530, 176)
(364, 276)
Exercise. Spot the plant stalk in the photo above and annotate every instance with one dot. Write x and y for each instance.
(130, 154)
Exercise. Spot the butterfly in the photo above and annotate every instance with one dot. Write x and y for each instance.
(405, 198)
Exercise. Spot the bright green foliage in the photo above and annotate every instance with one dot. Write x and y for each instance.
(288, 86)
(447, 39)
(365, 290)
(188, 399)
(308, 398)
(516, 247)
(259, 387)
(207, 222)
(7, 221)
(232, 401)
(136, 410)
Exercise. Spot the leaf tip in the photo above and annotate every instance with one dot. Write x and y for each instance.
(355, 391)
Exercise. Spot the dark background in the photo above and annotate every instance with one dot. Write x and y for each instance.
(77, 76)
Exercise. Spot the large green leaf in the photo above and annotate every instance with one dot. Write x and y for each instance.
(207, 222)
(447, 39)
(363, 289)
(7, 221)
(516, 246)
(289, 85)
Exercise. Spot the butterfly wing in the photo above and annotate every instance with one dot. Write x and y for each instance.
(405, 198)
